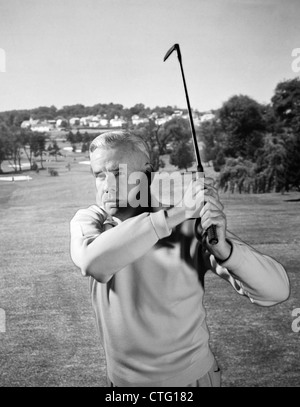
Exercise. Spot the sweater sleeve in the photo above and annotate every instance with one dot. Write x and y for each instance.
(100, 248)
(253, 274)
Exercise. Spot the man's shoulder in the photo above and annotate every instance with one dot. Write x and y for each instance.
(91, 214)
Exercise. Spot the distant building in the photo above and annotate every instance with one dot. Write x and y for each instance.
(25, 124)
(74, 121)
(177, 113)
(61, 123)
(85, 121)
(104, 122)
(162, 120)
(42, 126)
(207, 117)
(136, 119)
(117, 122)
(38, 125)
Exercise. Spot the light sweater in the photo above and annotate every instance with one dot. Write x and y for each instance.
(150, 314)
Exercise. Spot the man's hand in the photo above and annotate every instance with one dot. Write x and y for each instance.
(212, 214)
(190, 205)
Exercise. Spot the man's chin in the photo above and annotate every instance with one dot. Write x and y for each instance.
(110, 207)
(121, 212)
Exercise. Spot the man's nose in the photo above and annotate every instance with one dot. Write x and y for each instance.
(110, 184)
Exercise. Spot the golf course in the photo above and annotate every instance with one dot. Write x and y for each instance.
(49, 337)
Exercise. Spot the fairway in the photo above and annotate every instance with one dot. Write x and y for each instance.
(50, 337)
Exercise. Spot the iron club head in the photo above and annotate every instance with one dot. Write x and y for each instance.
(174, 47)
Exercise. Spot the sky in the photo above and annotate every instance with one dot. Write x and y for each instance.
(64, 52)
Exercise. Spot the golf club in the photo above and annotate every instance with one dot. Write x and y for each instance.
(211, 231)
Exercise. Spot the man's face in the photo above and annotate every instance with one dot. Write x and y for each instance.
(113, 167)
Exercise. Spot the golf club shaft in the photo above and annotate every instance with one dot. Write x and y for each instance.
(198, 160)
(212, 230)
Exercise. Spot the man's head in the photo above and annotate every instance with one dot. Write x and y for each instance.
(118, 160)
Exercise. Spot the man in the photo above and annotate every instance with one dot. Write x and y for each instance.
(146, 270)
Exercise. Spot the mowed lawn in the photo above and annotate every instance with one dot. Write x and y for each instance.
(51, 338)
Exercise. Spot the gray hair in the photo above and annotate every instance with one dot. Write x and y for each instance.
(121, 138)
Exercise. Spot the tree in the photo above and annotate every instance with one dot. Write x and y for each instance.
(4, 139)
(174, 131)
(182, 156)
(286, 108)
(28, 145)
(237, 172)
(15, 145)
(38, 145)
(212, 136)
(53, 149)
(85, 147)
(140, 110)
(286, 103)
(242, 120)
(71, 138)
(272, 164)
(150, 133)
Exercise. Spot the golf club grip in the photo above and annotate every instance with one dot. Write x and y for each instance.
(211, 233)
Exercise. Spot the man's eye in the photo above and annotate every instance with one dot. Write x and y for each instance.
(101, 175)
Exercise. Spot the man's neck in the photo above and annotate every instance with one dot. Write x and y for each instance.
(126, 213)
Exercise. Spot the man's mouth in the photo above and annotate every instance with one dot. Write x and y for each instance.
(111, 202)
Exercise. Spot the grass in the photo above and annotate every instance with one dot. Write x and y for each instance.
(51, 338)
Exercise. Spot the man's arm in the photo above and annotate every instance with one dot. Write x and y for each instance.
(256, 275)
(101, 253)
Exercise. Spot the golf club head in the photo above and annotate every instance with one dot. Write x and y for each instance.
(174, 47)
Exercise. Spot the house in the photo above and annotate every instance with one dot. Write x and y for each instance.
(117, 122)
(136, 119)
(61, 123)
(38, 125)
(207, 116)
(25, 124)
(74, 121)
(162, 120)
(104, 122)
(177, 113)
(42, 126)
(85, 121)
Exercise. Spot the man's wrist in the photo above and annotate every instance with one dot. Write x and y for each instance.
(223, 253)
(174, 216)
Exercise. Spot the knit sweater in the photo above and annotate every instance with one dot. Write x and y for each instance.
(150, 314)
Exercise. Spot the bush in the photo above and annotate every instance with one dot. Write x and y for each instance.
(53, 173)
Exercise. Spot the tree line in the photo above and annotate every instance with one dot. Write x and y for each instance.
(108, 110)
(254, 147)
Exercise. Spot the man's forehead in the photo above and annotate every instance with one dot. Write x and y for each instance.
(114, 157)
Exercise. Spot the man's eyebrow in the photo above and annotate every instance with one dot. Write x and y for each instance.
(114, 169)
